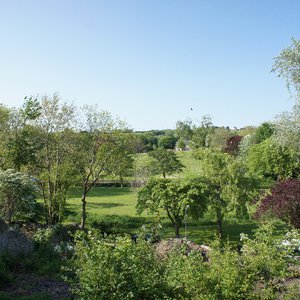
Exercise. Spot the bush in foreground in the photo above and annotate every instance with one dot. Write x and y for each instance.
(119, 268)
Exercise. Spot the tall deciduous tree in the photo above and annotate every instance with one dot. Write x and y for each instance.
(184, 130)
(287, 65)
(121, 162)
(21, 143)
(167, 141)
(167, 161)
(218, 138)
(54, 165)
(287, 128)
(201, 133)
(229, 186)
(173, 196)
(96, 147)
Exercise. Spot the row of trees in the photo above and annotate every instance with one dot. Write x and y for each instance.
(60, 146)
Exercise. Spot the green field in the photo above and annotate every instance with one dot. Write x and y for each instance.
(105, 201)
(116, 207)
(191, 164)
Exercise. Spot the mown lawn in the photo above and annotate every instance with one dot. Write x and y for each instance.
(116, 207)
(105, 201)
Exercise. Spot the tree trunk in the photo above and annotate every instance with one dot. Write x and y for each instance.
(83, 210)
(219, 223)
(176, 227)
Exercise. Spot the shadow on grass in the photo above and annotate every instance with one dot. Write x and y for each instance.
(70, 212)
(102, 192)
(104, 205)
(116, 224)
(203, 234)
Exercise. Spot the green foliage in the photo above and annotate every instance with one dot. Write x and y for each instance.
(144, 167)
(202, 132)
(22, 140)
(167, 162)
(218, 137)
(245, 145)
(287, 65)
(180, 143)
(257, 272)
(98, 148)
(263, 132)
(273, 160)
(149, 140)
(173, 196)
(116, 224)
(287, 128)
(230, 188)
(121, 162)
(17, 196)
(185, 273)
(184, 130)
(167, 141)
(54, 166)
(117, 269)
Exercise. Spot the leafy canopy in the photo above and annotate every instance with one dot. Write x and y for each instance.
(173, 197)
(287, 65)
(167, 161)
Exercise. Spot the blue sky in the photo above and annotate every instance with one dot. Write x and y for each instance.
(150, 62)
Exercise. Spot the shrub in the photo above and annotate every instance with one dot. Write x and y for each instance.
(114, 224)
(283, 202)
(17, 196)
(257, 272)
(117, 268)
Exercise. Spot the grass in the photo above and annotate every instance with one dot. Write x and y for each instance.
(113, 208)
(205, 233)
(190, 163)
(104, 201)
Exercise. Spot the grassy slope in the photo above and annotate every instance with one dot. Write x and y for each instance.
(190, 163)
(121, 201)
(105, 201)
(109, 201)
